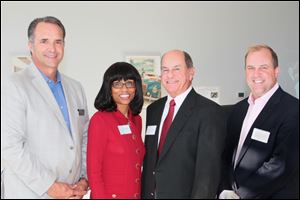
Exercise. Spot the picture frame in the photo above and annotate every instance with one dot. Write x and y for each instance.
(210, 92)
(149, 69)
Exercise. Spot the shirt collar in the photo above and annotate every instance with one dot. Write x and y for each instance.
(48, 80)
(180, 98)
(265, 97)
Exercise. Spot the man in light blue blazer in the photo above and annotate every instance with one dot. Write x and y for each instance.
(44, 123)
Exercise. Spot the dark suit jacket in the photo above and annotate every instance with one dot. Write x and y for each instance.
(265, 170)
(190, 163)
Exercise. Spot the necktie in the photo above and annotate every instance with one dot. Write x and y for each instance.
(166, 126)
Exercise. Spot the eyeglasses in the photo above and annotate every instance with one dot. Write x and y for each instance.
(119, 84)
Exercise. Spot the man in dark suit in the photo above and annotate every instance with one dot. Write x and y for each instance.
(262, 149)
(186, 163)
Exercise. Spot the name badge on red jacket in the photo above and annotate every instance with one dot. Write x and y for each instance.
(124, 129)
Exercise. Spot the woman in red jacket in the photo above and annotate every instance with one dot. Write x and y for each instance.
(115, 150)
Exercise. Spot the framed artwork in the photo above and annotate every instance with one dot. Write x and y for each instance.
(20, 62)
(149, 69)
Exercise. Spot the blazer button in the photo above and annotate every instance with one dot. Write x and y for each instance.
(152, 194)
(137, 151)
(71, 148)
(133, 136)
(153, 172)
(136, 195)
(70, 171)
(138, 166)
(114, 196)
(137, 180)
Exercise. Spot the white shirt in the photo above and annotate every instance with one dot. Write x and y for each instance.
(178, 102)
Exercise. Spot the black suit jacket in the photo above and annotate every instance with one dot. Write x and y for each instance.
(265, 170)
(190, 163)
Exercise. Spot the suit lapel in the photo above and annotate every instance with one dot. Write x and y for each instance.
(179, 121)
(238, 121)
(43, 89)
(158, 112)
(264, 115)
(71, 108)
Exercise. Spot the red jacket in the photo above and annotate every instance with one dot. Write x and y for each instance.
(114, 159)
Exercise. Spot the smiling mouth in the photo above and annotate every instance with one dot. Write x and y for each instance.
(172, 82)
(124, 96)
(257, 81)
(51, 56)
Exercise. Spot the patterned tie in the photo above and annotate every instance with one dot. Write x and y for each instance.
(166, 126)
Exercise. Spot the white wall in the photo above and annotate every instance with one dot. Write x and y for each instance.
(216, 34)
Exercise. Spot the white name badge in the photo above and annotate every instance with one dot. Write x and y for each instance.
(260, 135)
(124, 129)
(151, 130)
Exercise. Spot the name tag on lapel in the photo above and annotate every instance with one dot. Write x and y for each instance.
(260, 135)
(151, 130)
(124, 129)
(80, 112)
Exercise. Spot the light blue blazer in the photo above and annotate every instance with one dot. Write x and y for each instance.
(37, 148)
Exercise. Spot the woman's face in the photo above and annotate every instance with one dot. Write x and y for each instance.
(123, 92)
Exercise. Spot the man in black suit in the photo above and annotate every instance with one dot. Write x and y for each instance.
(189, 161)
(262, 149)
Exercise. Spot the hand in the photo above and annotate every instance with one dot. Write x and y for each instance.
(80, 188)
(59, 190)
(228, 194)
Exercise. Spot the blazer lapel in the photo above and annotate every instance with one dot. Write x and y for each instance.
(179, 121)
(72, 106)
(43, 89)
(158, 112)
(238, 121)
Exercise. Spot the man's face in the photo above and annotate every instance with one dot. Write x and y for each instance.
(175, 76)
(47, 47)
(261, 74)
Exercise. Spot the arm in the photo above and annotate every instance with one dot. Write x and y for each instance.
(83, 172)
(82, 186)
(280, 168)
(97, 142)
(231, 141)
(211, 141)
(59, 190)
(15, 150)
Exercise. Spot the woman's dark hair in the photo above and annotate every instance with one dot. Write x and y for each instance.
(117, 72)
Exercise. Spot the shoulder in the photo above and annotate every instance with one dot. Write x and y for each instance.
(288, 104)
(157, 104)
(241, 104)
(101, 115)
(73, 86)
(100, 120)
(237, 110)
(202, 102)
(70, 81)
(137, 119)
(289, 99)
(18, 82)
(20, 77)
